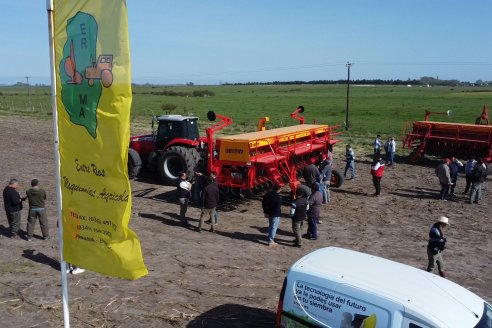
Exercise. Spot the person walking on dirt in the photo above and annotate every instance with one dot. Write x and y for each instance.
(377, 171)
(442, 172)
(184, 193)
(377, 146)
(311, 172)
(350, 159)
(470, 165)
(479, 175)
(272, 204)
(12, 201)
(37, 197)
(210, 202)
(298, 211)
(315, 202)
(454, 167)
(435, 246)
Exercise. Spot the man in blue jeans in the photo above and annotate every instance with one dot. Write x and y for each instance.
(272, 203)
(350, 159)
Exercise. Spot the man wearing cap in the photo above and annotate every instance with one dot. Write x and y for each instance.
(443, 173)
(437, 243)
(37, 197)
(13, 206)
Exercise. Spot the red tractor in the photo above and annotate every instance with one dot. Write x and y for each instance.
(174, 147)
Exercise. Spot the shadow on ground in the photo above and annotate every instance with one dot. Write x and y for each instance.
(232, 316)
(39, 257)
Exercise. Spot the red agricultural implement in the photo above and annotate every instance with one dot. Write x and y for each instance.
(251, 162)
(245, 163)
(443, 139)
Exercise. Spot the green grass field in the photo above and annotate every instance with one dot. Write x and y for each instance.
(372, 109)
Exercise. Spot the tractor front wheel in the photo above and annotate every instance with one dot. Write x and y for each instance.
(175, 160)
(336, 179)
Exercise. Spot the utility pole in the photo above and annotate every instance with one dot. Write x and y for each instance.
(348, 92)
(28, 92)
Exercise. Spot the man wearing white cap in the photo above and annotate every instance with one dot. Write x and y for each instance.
(437, 243)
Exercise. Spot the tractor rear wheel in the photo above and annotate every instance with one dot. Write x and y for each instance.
(336, 179)
(134, 163)
(175, 160)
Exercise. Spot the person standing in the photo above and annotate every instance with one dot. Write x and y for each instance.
(442, 172)
(298, 211)
(478, 178)
(454, 167)
(13, 206)
(200, 180)
(470, 165)
(184, 193)
(377, 147)
(272, 204)
(350, 159)
(315, 202)
(326, 170)
(311, 172)
(391, 151)
(37, 211)
(435, 246)
(377, 171)
(210, 201)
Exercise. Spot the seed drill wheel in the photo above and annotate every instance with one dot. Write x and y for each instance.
(415, 157)
(336, 179)
(175, 160)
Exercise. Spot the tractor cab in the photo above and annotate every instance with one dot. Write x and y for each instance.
(172, 127)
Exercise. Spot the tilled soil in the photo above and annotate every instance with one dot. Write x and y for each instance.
(229, 278)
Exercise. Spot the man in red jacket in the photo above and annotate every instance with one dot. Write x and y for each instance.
(377, 170)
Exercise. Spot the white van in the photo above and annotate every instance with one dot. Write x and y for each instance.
(340, 288)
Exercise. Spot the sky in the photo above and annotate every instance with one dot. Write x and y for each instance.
(219, 41)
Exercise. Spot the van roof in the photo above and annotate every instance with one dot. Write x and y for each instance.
(441, 301)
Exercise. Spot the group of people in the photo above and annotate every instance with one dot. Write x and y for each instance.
(308, 203)
(475, 173)
(13, 203)
(206, 195)
(389, 149)
(36, 198)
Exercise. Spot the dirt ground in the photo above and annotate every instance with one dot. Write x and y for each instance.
(230, 278)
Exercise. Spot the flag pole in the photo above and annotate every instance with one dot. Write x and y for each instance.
(63, 264)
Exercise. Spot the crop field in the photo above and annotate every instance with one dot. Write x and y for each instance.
(372, 109)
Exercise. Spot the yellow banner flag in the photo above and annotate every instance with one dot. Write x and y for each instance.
(93, 81)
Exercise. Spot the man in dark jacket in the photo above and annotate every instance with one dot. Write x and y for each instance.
(37, 197)
(272, 203)
(13, 206)
(436, 245)
(210, 201)
(298, 212)
(315, 204)
(479, 175)
(311, 173)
